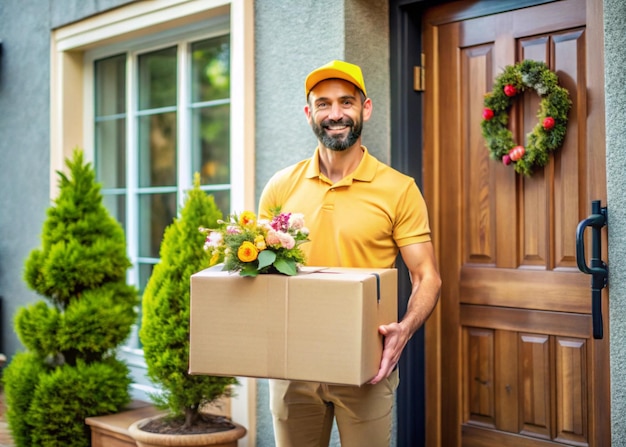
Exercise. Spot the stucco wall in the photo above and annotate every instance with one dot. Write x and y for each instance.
(25, 138)
(615, 79)
(24, 142)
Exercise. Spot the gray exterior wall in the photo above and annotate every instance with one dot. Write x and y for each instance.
(25, 27)
(615, 78)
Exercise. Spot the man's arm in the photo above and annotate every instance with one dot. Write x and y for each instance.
(426, 283)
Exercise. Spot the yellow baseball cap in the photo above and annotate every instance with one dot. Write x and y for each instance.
(335, 70)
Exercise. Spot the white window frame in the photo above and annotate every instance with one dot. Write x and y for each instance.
(71, 110)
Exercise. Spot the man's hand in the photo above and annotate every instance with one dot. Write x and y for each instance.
(425, 280)
(395, 337)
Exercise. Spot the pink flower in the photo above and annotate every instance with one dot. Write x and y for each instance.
(232, 229)
(281, 222)
(286, 240)
(272, 238)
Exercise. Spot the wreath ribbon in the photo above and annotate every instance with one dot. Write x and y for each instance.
(547, 135)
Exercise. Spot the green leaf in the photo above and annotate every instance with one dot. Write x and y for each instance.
(286, 266)
(249, 270)
(266, 258)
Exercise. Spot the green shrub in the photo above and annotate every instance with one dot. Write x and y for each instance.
(165, 322)
(70, 370)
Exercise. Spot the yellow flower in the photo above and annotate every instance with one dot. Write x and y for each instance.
(247, 219)
(214, 259)
(247, 252)
(259, 242)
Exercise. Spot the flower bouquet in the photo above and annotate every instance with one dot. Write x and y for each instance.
(251, 246)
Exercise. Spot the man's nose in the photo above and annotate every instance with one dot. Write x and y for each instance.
(336, 112)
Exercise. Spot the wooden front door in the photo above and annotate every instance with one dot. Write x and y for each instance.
(511, 356)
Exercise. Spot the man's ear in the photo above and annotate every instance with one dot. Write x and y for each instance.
(307, 112)
(367, 109)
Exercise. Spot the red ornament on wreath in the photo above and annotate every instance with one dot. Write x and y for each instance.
(548, 122)
(546, 136)
(510, 90)
(516, 153)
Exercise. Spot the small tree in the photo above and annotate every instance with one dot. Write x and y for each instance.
(165, 323)
(69, 370)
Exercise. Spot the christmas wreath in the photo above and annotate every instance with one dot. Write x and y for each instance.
(548, 133)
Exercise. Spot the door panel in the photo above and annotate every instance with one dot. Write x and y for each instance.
(517, 359)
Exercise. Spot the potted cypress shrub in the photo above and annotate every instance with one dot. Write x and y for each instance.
(69, 370)
(164, 334)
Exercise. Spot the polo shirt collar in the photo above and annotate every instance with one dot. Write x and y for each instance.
(365, 171)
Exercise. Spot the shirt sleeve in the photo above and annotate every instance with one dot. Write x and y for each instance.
(411, 225)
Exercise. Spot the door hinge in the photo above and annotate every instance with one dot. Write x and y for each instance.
(419, 76)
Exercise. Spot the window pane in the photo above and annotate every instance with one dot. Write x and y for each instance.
(110, 117)
(211, 144)
(157, 150)
(157, 79)
(116, 205)
(210, 69)
(110, 74)
(110, 160)
(145, 270)
(156, 212)
(222, 200)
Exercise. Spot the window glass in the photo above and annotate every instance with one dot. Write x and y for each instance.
(211, 141)
(210, 96)
(110, 74)
(157, 79)
(116, 205)
(110, 121)
(210, 69)
(157, 149)
(156, 212)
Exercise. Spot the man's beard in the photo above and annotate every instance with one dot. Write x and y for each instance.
(337, 143)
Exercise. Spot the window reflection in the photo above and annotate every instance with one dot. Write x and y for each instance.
(210, 93)
(157, 79)
(157, 150)
(110, 121)
(156, 212)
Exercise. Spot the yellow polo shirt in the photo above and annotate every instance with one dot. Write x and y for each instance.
(359, 221)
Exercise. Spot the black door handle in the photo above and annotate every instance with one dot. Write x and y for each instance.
(598, 270)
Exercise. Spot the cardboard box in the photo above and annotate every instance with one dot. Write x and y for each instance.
(320, 325)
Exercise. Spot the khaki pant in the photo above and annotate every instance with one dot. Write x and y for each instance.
(303, 413)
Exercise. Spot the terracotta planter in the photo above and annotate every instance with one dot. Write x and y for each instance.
(226, 438)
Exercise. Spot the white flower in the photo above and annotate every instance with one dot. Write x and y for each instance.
(214, 239)
(296, 221)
